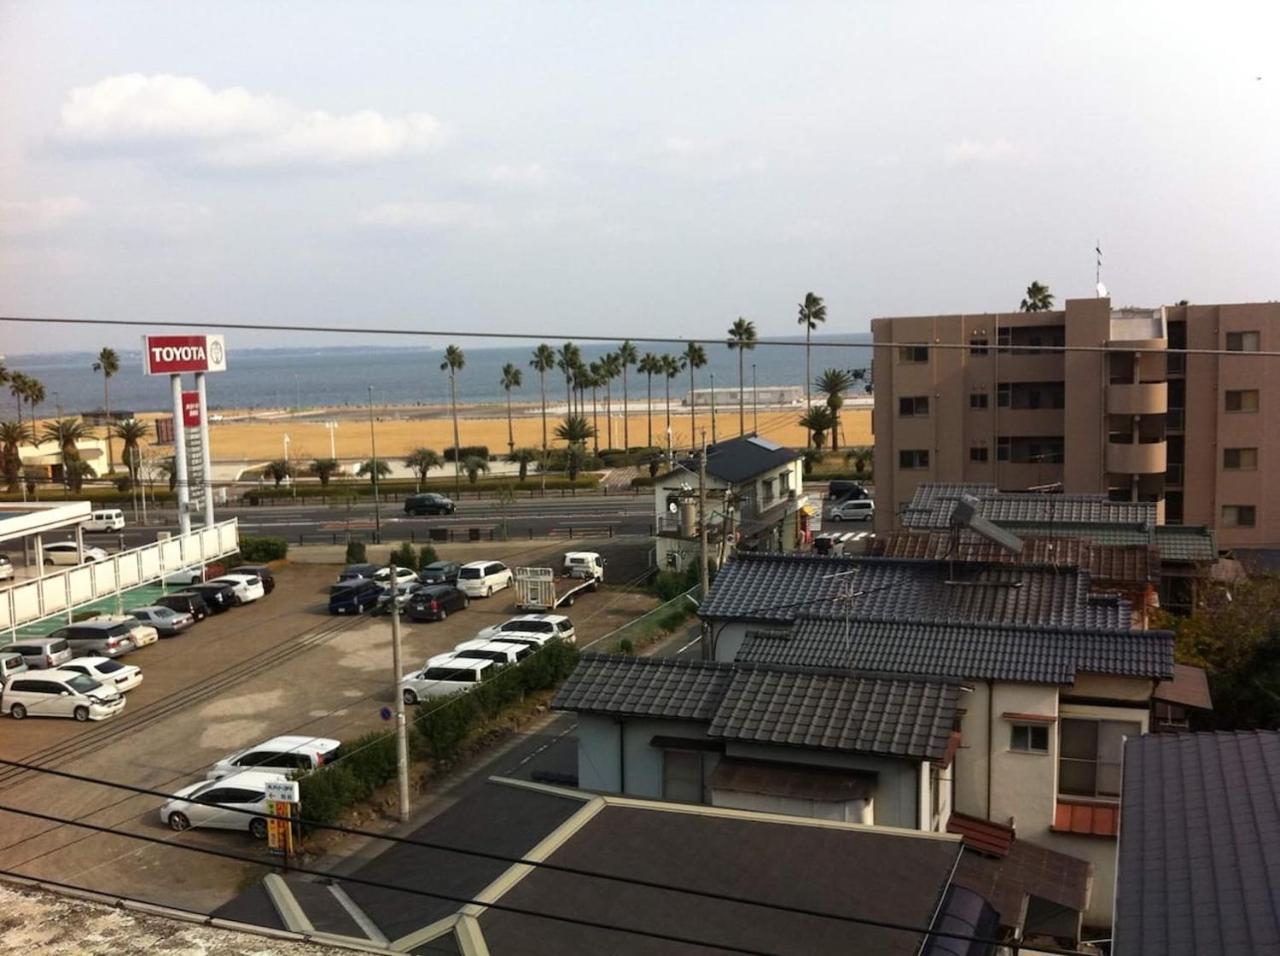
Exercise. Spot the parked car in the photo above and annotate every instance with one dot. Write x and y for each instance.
(402, 576)
(11, 663)
(261, 571)
(184, 576)
(218, 597)
(482, 578)
(286, 755)
(109, 673)
(435, 602)
(354, 596)
(247, 587)
(65, 552)
(401, 598)
(429, 503)
(440, 572)
(853, 509)
(240, 798)
(166, 621)
(59, 693)
(185, 602)
(500, 652)
(840, 490)
(42, 653)
(108, 519)
(98, 638)
(142, 635)
(354, 571)
(6, 567)
(542, 626)
(445, 677)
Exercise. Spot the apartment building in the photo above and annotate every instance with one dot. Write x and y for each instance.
(1136, 413)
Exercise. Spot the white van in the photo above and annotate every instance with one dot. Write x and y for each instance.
(482, 578)
(853, 509)
(109, 519)
(57, 693)
(440, 678)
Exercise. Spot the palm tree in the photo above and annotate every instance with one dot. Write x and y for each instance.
(473, 465)
(12, 435)
(67, 432)
(818, 421)
(277, 470)
(670, 368)
(610, 368)
(522, 457)
(130, 432)
(742, 336)
(368, 468)
(511, 378)
(324, 469)
(593, 378)
(693, 358)
(1039, 298)
(422, 460)
(18, 389)
(544, 360)
(627, 356)
(568, 359)
(33, 392)
(650, 365)
(574, 431)
(108, 364)
(813, 312)
(833, 383)
(454, 362)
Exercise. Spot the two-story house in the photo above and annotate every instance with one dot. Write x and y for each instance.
(755, 501)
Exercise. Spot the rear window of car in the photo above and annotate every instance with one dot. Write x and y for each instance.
(12, 660)
(471, 574)
(58, 647)
(458, 675)
(109, 667)
(528, 627)
(120, 630)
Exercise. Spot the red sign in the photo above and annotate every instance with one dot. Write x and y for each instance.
(172, 354)
(191, 409)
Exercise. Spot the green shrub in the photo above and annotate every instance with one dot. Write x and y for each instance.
(427, 555)
(669, 584)
(626, 647)
(262, 548)
(404, 556)
(466, 451)
(356, 552)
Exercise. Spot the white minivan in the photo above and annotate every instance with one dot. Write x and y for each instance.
(445, 675)
(240, 797)
(58, 693)
(853, 509)
(482, 578)
(108, 519)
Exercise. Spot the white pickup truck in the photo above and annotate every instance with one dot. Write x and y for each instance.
(539, 589)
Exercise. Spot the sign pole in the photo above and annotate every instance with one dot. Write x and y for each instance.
(180, 458)
(204, 446)
(402, 744)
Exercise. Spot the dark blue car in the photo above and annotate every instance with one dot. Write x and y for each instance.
(353, 597)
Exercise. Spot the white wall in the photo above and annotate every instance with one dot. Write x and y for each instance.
(847, 811)
(613, 754)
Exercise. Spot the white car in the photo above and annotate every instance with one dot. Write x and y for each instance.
(278, 755)
(65, 552)
(240, 797)
(854, 509)
(184, 576)
(482, 578)
(445, 675)
(543, 627)
(109, 673)
(59, 693)
(500, 652)
(403, 576)
(141, 634)
(6, 567)
(247, 587)
(108, 519)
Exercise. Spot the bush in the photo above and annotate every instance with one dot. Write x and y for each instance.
(260, 549)
(360, 768)
(427, 555)
(356, 553)
(669, 584)
(403, 556)
(626, 647)
(453, 453)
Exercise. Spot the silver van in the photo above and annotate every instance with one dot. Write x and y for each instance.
(10, 664)
(42, 652)
(853, 509)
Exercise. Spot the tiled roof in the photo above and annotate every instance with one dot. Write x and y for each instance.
(901, 717)
(1035, 655)
(741, 459)
(1199, 857)
(933, 502)
(1028, 870)
(1173, 542)
(782, 587)
(645, 687)
(992, 839)
(1086, 819)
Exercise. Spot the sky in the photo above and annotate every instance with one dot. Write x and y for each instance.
(563, 168)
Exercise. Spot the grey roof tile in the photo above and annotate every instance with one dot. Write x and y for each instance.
(740, 459)
(645, 687)
(1199, 853)
(932, 503)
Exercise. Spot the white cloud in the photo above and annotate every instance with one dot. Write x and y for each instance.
(25, 217)
(999, 150)
(428, 216)
(233, 127)
(528, 175)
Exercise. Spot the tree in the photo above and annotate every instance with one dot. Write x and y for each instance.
(742, 337)
(627, 356)
(17, 383)
(277, 470)
(522, 457)
(12, 436)
(593, 378)
(131, 433)
(818, 420)
(670, 368)
(574, 431)
(833, 383)
(568, 360)
(108, 364)
(324, 469)
(1039, 298)
(859, 458)
(693, 358)
(650, 365)
(67, 432)
(367, 468)
(33, 392)
(474, 465)
(511, 378)
(454, 362)
(610, 368)
(422, 460)
(543, 361)
(813, 312)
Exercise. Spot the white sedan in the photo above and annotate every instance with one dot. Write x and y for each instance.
(109, 673)
(403, 576)
(65, 552)
(239, 798)
(247, 587)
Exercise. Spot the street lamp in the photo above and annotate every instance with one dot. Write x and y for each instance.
(288, 467)
(333, 448)
(373, 463)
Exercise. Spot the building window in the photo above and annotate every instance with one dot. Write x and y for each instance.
(977, 454)
(913, 458)
(1003, 338)
(1242, 400)
(767, 492)
(978, 346)
(1003, 390)
(1003, 444)
(1240, 459)
(977, 399)
(1239, 516)
(1242, 341)
(913, 354)
(913, 406)
(1029, 738)
(784, 483)
(1089, 755)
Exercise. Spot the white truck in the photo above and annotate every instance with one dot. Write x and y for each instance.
(539, 589)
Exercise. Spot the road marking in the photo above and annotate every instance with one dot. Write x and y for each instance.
(554, 740)
(689, 645)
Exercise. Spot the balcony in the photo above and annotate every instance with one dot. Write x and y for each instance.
(1144, 398)
(1144, 458)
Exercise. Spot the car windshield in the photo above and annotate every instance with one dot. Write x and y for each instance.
(82, 684)
(471, 573)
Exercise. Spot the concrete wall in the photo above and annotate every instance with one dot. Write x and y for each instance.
(1024, 785)
(617, 757)
(1086, 376)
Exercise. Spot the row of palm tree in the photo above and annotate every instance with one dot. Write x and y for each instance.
(68, 434)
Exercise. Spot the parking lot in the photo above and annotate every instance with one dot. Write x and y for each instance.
(280, 665)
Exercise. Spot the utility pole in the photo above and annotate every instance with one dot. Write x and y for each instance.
(702, 534)
(755, 399)
(377, 511)
(402, 744)
(713, 408)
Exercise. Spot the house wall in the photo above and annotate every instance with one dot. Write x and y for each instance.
(616, 756)
(729, 638)
(849, 811)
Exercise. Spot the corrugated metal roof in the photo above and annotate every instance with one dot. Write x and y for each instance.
(932, 503)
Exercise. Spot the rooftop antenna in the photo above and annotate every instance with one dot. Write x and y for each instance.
(1097, 272)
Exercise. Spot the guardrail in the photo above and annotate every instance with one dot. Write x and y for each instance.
(64, 590)
(454, 535)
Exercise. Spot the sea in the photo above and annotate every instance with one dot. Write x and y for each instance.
(338, 376)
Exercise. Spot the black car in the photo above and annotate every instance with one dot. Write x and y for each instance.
(219, 597)
(440, 572)
(846, 490)
(428, 503)
(185, 601)
(353, 572)
(434, 602)
(261, 571)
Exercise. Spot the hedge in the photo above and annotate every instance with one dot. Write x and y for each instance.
(338, 491)
(263, 548)
(466, 451)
